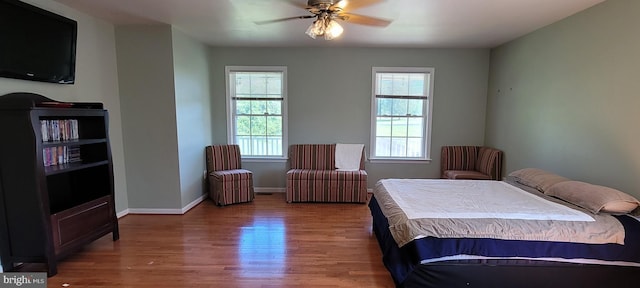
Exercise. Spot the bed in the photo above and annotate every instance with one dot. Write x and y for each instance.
(484, 248)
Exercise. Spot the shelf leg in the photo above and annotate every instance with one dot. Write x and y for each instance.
(52, 267)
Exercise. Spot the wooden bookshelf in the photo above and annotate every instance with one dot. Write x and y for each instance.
(53, 206)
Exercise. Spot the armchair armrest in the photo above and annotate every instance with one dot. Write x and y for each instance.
(489, 162)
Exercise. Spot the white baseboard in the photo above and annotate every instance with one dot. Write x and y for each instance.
(162, 210)
(155, 211)
(196, 202)
(193, 203)
(122, 213)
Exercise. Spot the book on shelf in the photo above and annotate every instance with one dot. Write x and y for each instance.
(52, 156)
(59, 130)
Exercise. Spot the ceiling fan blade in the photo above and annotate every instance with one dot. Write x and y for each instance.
(349, 5)
(284, 19)
(364, 20)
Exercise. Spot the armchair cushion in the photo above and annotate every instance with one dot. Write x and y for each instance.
(223, 157)
(312, 156)
(231, 175)
(459, 157)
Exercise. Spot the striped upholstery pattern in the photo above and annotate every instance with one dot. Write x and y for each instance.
(223, 157)
(313, 156)
(313, 178)
(228, 182)
(489, 162)
(471, 162)
(459, 157)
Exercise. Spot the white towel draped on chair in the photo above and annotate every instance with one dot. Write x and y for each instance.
(348, 156)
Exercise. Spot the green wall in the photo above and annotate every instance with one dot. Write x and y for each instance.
(165, 94)
(193, 112)
(148, 105)
(565, 98)
(329, 99)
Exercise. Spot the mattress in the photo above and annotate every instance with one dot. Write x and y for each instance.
(403, 261)
(486, 209)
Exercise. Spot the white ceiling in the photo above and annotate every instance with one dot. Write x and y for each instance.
(416, 23)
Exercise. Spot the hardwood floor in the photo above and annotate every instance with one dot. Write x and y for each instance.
(265, 243)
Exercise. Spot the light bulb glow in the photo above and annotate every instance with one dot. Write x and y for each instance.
(326, 27)
(333, 30)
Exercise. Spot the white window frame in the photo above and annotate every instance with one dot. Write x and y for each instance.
(231, 109)
(427, 116)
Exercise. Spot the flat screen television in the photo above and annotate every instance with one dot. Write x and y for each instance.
(36, 44)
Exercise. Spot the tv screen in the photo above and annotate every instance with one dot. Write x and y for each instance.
(36, 44)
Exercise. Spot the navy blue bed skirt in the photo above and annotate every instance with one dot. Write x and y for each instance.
(402, 261)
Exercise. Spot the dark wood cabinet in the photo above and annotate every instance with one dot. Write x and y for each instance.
(56, 179)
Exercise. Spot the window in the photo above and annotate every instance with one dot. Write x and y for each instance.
(256, 97)
(401, 113)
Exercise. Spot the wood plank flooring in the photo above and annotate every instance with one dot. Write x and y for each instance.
(265, 243)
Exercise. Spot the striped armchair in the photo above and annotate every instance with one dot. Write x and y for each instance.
(228, 182)
(471, 162)
(313, 177)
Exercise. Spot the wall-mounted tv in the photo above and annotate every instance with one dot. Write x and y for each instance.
(36, 44)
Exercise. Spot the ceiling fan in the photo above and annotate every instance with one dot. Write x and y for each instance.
(326, 12)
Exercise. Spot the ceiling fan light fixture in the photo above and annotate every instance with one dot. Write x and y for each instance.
(333, 30)
(326, 27)
(316, 28)
(326, 12)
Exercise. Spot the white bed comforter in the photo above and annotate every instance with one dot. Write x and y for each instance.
(417, 208)
(474, 199)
